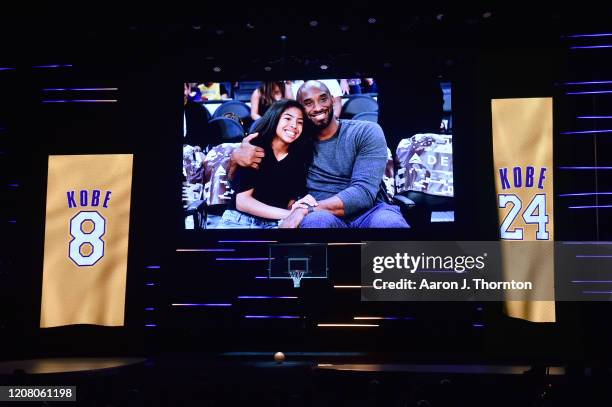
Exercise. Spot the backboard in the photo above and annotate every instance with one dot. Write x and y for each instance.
(297, 261)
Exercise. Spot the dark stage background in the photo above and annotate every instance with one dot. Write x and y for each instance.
(147, 61)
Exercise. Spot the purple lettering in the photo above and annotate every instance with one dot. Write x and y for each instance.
(95, 198)
(106, 199)
(84, 197)
(529, 177)
(503, 175)
(71, 201)
(516, 172)
(542, 178)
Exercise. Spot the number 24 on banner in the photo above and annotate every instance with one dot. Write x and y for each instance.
(535, 213)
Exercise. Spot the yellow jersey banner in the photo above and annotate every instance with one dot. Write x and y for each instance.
(86, 240)
(523, 162)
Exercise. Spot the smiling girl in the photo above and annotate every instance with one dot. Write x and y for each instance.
(267, 195)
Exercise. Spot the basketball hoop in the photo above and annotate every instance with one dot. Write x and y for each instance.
(297, 261)
(296, 276)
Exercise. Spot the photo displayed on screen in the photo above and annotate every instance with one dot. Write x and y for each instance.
(315, 154)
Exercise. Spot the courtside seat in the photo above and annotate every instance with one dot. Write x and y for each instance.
(226, 130)
(358, 104)
(367, 117)
(237, 109)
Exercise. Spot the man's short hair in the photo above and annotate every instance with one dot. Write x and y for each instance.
(311, 83)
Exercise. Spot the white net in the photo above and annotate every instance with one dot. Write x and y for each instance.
(296, 276)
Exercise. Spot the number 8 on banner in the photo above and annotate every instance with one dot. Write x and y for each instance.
(82, 238)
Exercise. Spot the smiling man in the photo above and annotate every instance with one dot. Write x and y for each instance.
(345, 176)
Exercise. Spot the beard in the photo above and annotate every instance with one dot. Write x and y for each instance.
(325, 122)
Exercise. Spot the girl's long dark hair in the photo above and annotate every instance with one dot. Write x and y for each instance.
(303, 147)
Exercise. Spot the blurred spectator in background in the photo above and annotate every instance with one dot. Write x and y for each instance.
(196, 131)
(213, 91)
(369, 86)
(350, 86)
(194, 93)
(268, 93)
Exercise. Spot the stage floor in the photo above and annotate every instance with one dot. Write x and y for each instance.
(303, 379)
(64, 365)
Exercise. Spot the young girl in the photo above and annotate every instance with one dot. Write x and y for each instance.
(269, 194)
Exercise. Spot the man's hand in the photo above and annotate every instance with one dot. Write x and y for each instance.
(294, 219)
(248, 155)
(304, 202)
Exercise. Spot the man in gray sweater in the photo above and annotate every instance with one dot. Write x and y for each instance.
(345, 177)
